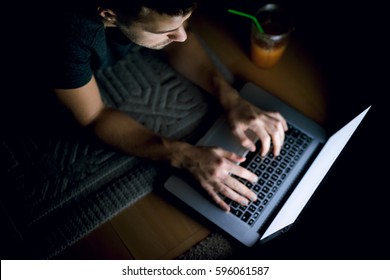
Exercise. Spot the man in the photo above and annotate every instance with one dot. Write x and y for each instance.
(87, 43)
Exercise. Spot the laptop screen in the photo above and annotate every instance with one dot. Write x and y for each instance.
(313, 177)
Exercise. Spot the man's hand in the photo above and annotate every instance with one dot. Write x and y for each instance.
(268, 127)
(249, 122)
(213, 167)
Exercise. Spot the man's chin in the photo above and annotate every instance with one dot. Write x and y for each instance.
(159, 46)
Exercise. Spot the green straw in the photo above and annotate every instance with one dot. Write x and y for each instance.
(248, 16)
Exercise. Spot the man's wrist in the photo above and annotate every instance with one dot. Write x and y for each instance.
(225, 93)
(176, 152)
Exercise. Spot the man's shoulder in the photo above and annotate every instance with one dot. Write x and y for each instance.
(75, 24)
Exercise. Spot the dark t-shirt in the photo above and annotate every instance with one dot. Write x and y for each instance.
(81, 45)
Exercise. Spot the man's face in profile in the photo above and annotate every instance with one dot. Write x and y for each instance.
(155, 31)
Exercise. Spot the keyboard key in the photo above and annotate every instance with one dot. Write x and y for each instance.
(295, 133)
(261, 182)
(265, 189)
(246, 216)
(236, 212)
(257, 202)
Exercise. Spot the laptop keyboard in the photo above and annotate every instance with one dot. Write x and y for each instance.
(271, 171)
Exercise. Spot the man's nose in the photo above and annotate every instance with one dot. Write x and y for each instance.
(180, 35)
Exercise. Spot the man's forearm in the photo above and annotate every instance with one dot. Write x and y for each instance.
(130, 137)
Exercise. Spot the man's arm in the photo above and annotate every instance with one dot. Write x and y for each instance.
(210, 166)
(113, 126)
(191, 60)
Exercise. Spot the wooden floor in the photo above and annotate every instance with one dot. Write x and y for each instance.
(154, 229)
(149, 229)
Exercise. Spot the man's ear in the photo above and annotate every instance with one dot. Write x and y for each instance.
(107, 14)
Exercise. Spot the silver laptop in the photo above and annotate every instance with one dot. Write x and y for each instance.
(286, 182)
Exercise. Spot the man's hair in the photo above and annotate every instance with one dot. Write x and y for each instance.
(131, 10)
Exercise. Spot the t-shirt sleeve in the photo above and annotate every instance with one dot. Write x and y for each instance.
(72, 68)
(73, 54)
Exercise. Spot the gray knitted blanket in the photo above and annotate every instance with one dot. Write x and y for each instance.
(58, 188)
